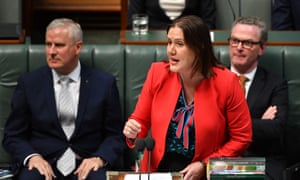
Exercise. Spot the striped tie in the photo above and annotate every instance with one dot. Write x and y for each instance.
(66, 111)
(66, 163)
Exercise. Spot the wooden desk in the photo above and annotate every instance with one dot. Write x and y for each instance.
(19, 40)
(119, 175)
(159, 37)
(288, 38)
(152, 38)
(276, 38)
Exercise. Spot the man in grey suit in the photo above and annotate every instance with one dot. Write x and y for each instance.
(75, 135)
(267, 95)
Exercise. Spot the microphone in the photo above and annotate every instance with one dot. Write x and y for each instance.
(149, 145)
(140, 146)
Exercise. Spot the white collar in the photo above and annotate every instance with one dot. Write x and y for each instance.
(74, 75)
(249, 75)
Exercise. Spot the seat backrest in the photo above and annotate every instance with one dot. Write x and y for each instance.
(110, 59)
(292, 74)
(137, 63)
(13, 62)
(273, 60)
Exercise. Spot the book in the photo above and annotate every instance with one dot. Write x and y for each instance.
(5, 173)
(239, 167)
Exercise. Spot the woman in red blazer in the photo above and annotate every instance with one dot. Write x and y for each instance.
(193, 105)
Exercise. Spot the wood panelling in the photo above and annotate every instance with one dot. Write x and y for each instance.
(78, 5)
(91, 14)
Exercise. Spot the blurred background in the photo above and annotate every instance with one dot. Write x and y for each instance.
(101, 19)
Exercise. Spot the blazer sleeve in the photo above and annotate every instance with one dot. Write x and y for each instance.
(282, 18)
(208, 13)
(238, 136)
(17, 126)
(273, 129)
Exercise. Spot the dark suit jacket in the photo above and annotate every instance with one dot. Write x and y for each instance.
(268, 135)
(286, 15)
(206, 9)
(33, 125)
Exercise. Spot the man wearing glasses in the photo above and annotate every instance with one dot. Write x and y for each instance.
(267, 95)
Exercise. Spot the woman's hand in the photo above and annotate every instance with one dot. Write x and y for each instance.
(194, 171)
(131, 129)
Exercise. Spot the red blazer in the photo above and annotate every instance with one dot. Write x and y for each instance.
(221, 116)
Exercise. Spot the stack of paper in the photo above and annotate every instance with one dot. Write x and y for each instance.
(151, 176)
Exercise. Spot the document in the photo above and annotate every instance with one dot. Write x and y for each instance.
(152, 176)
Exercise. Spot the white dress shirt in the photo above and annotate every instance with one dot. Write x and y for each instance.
(172, 8)
(74, 86)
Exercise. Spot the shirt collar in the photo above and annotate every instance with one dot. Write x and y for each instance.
(249, 75)
(74, 75)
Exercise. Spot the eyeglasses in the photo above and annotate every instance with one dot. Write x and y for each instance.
(247, 44)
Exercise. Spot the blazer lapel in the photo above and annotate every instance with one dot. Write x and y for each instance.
(256, 87)
(83, 93)
(50, 96)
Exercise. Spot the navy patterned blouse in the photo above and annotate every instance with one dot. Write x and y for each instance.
(181, 132)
